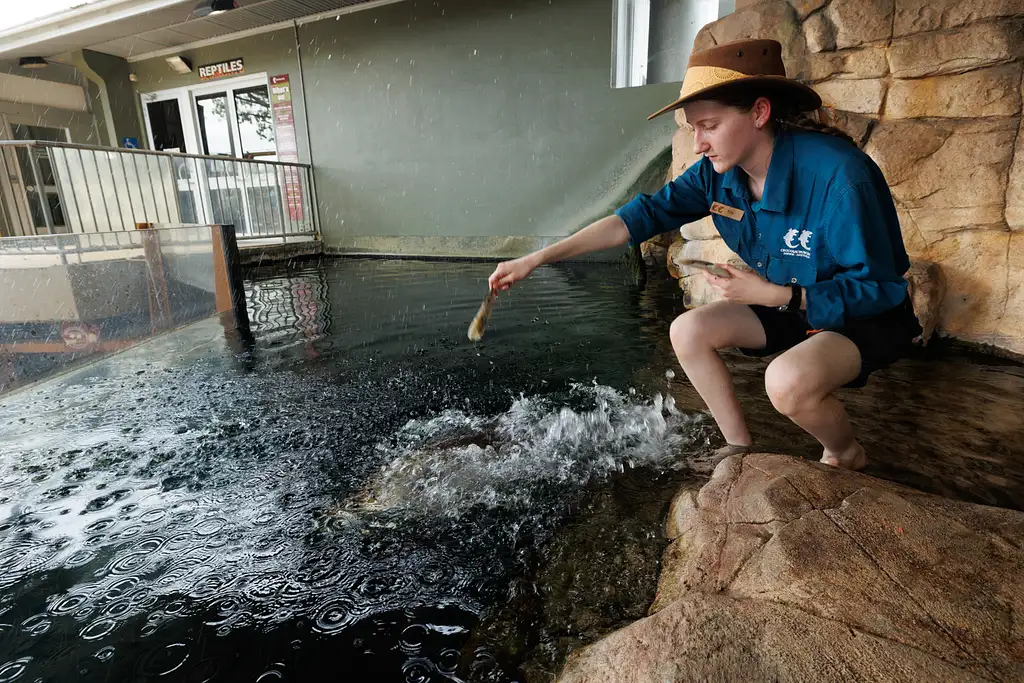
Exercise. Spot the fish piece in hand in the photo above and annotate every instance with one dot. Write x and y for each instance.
(476, 328)
(705, 265)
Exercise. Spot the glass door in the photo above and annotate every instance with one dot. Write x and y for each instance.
(230, 120)
(168, 132)
(34, 173)
(254, 123)
(165, 127)
(218, 138)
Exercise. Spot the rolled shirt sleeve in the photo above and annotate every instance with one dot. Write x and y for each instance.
(870, 277)
(684, 200)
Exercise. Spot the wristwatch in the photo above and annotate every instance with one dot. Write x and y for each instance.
(794, 300)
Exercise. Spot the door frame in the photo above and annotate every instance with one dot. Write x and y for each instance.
(18, 200)
(186, 96)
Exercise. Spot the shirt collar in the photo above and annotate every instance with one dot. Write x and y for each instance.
(735, 180)
(780, 176)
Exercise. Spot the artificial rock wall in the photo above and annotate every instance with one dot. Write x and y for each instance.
(932, 90)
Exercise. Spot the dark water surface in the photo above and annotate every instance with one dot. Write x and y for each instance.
(367, 496)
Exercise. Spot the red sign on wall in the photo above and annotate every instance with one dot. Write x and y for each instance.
(287, 147)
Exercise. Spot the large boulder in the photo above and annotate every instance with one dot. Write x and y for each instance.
(787, 570)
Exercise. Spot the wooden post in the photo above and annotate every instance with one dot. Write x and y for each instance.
(229, 286)
(156, 284)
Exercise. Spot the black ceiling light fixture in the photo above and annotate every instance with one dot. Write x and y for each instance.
(33, 63)
(207, 8)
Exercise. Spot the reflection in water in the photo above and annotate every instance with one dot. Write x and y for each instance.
(291, 309)
(366, 495)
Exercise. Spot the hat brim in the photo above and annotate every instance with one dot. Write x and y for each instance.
(802, 97)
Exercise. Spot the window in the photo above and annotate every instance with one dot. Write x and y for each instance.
(652, 39)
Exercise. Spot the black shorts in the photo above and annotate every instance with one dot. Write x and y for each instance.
(881, 340)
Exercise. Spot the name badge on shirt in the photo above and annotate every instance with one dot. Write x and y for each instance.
(727, 211)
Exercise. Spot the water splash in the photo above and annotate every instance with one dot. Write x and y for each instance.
(456, 461)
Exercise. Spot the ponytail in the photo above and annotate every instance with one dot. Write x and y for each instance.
(805, 122)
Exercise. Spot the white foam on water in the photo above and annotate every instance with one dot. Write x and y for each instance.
(454, 461)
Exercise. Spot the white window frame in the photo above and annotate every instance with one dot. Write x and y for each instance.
(630, 42)
(18, 200)
(186, 96)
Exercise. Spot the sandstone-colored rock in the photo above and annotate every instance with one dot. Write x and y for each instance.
(675, 251)
(788, 570)
(913, 239)
(704, 39)
(1008, 334)
(1015, 185)
(899, 146)
(972, 47)
(923, 226)
(944, 164)
(682, 151)
(820, 35)
(975, 264)
(664, 239)
(927, 292)
(696, 290)
(704, 229)
(774, 19)
(867, 62)
(680, 514)
(993, 91)
(861, 21)
(655, 255)
(857, 96)
(719, 638)
(915, 16)
(805, 7)
(856, 126)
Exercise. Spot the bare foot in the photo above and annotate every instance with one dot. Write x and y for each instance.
(853, 458)
(707, 464)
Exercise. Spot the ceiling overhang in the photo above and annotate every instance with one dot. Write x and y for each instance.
(140, 28)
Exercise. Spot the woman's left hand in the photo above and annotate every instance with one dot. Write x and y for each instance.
(745, 287)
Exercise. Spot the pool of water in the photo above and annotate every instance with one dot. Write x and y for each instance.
(365, 495)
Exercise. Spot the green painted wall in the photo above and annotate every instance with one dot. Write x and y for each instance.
(473, 121)
(112, 75)
(272, 53)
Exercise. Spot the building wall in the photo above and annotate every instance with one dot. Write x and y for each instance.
(459, 127)
(124, 112)
(273, 53)
(80, 122)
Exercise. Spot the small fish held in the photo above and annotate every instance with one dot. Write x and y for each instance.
(476, 328)
(705, 265)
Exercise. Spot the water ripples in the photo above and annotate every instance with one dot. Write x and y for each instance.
(366, 501)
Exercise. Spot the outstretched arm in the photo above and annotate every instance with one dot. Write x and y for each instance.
(601, 234)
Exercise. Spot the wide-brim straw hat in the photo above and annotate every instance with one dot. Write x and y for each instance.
(755, 64)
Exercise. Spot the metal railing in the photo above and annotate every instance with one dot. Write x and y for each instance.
(56, 187)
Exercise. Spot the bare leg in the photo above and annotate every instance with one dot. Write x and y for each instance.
(697, 336)
(801, 383)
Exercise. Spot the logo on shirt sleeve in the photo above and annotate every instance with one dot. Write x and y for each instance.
(798, 243)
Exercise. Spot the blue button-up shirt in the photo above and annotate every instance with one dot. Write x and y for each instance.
(826, 221)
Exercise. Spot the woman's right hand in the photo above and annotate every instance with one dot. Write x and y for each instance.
(510, 272)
